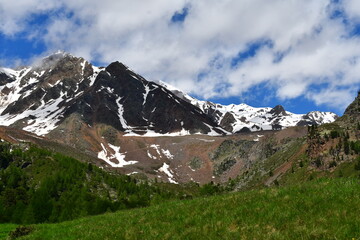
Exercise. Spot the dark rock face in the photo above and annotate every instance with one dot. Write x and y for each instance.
(255, 127)
(227, 122)
(244, 130)
(307, 121)
(278, 110)
(276, 127)
(4, 79)
(126, 101)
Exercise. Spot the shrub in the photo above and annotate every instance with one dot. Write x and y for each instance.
(20, 231)
(318, 162)
(334, 134)
(332, 164)
(357, 165)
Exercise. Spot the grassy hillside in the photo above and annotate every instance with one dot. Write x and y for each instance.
(319, 209)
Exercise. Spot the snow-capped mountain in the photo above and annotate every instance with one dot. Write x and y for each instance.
(244, 118)
(40, 98)
(91, 108)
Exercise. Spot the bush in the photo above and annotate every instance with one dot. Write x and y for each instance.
(20, 231)
(318, 162)
(355, 146)
(334, 134)
(332, 164)
(357, 165)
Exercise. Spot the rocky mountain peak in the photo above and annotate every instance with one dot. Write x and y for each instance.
(278, 110)
(116, 68)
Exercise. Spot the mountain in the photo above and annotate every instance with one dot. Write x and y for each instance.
(244, 118)
(38, 99)
(115, 116)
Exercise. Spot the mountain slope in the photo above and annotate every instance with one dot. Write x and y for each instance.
(331, 150)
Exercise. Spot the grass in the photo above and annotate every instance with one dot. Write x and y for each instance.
(5, 229)
(319, 209)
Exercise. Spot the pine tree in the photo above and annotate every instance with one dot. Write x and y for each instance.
(346, 146)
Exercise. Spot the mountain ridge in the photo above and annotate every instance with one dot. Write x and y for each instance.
(116, 116)
(62, 79)
(242, 117)
(19, 95)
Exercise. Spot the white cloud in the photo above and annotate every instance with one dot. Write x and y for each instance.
(318, 52)
(338, 98)
(16, 14)
(352, 8)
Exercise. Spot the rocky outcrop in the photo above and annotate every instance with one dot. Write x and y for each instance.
(227, 122)
(278, 110)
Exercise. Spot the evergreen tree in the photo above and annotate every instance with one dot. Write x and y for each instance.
(346, 146)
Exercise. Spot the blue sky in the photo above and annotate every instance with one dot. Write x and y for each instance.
(301, 54)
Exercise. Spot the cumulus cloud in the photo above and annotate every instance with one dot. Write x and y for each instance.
(303, 44)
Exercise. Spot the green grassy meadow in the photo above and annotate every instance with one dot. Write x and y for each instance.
(319, 209)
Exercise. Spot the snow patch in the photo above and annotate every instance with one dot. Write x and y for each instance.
(150, 156)
(206, 140)
(147, 90)
(167, 154)
(120, 157)
(151, 133)
(121, 113)
(96, 72)
(157, 148)
(166, 169)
